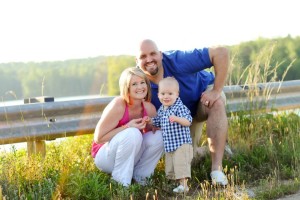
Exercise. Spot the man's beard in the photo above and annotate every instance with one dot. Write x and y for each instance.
(153, 72)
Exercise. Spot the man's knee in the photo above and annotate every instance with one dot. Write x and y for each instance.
(219, 104)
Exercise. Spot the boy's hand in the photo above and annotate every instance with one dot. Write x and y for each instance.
(172, 118)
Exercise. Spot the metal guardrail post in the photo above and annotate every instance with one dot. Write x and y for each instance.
(51, 120)
(37, 146)
(263, 96)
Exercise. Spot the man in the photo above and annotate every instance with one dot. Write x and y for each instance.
(200, 90)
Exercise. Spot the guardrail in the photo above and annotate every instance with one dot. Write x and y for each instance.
(36, 122)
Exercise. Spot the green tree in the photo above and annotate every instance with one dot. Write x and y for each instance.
(116, 64)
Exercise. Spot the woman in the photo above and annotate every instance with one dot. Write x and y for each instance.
(123, 145)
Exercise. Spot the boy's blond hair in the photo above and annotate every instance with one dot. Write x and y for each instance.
(169, 80)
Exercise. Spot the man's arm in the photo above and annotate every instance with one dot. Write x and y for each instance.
(220, 59)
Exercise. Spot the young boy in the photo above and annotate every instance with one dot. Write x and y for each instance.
(174, 119)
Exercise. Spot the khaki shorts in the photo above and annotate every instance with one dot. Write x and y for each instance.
(178, 163)
(201, 115)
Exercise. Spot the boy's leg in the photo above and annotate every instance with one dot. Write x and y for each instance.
(196, 133)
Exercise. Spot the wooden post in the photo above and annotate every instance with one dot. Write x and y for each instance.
(30, 148)
(36, 147)
(40, 147)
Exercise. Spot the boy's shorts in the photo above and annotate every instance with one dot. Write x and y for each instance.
(178, 162)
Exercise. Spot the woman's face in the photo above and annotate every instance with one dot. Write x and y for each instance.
(137, 88)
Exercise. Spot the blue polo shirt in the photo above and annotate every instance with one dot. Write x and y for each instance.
(188, 68)
(174, 134)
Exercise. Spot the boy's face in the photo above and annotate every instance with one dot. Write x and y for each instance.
(167, 94)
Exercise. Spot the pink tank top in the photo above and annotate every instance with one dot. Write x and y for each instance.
(123, 121)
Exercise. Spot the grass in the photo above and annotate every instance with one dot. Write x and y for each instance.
(265, 154)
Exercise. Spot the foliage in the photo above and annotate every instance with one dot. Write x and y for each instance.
(266, 53)
(116, 65)
(58, 79)
(99, 75)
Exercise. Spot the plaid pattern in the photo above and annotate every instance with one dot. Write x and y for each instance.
(174, 134)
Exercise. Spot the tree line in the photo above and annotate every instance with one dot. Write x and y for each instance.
(100, 75)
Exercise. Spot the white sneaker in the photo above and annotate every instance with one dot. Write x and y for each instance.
(218, 177)
(181, 189)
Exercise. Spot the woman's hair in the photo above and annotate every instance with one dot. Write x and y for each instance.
(124, 82)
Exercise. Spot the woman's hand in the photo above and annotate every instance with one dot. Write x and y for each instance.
(137, 123)
(146, 119)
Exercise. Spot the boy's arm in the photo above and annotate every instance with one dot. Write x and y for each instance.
(180, 120)
(183, 117)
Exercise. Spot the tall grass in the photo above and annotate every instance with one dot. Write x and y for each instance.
(266, 149)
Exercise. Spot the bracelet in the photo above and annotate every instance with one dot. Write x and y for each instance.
(126, 126)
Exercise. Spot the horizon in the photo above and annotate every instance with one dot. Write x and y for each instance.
(122, 54)
(45, 31)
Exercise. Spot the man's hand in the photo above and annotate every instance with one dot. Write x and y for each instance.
(208, 98)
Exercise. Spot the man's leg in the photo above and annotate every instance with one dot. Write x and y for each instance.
(216, 128)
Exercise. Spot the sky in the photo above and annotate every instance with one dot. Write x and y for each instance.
(52, 30)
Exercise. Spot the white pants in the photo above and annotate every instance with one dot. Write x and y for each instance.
(129, 154)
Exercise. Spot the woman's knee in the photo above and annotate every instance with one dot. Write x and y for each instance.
(153, 139)
(133, 137)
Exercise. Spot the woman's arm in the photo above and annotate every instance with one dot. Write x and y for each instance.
(106, 126)
(150, 108)
(151, 111)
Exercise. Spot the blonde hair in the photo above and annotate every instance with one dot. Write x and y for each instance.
(169, 80)
(124, 82)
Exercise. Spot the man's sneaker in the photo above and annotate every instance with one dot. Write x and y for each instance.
(218, 177)
(181, 189)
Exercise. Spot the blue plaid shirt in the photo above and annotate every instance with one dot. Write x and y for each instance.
(174, 134)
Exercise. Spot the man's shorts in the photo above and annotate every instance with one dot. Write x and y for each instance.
(201, 115)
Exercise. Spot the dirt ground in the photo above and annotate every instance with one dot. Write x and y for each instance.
(291, 197)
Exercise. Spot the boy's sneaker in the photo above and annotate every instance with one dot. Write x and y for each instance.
(218, 177)
(181, 189)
